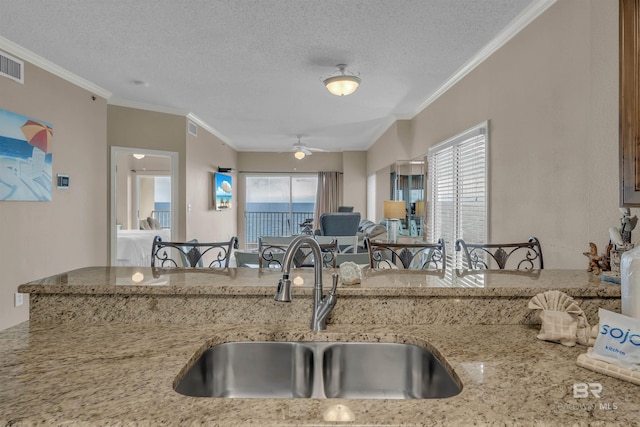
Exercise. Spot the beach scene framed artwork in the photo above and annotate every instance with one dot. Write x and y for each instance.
(223, 191)
(25, 158)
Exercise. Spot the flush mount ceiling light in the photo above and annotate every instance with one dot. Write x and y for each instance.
(139, 156)
(342, 84)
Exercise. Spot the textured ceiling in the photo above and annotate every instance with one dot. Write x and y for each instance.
(252, 70)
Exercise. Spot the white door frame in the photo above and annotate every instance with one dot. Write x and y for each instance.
(115, 150)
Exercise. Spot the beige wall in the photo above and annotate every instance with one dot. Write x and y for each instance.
(130, 127)
(146, 196)
(550, 95)
(394, 144)
(285, 162)
(205, 153)
(44, 238)
(354, 167)
(383, 191)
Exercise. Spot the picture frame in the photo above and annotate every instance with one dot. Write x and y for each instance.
(223, 191)
(26, 154)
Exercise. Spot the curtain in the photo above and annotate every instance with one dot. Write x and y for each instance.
(328, 195)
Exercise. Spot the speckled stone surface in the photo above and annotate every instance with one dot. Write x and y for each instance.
(114, 374)
(253, 281)
(245, 296)
(105, 346)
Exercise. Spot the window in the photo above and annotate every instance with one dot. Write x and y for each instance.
(277, 205)
(457, 190)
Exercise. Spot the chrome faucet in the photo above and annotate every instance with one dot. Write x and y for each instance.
(322, 305)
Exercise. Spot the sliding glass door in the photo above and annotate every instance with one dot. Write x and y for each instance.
(278, 205)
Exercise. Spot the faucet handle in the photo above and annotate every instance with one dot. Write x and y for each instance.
(283, 293)
(334, 278)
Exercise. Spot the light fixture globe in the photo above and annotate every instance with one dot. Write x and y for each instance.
(299, 155)
(342, 84)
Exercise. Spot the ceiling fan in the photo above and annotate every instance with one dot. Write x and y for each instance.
(300, 150)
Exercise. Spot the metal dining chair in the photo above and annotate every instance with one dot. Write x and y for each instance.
(501, 256)
(346, 244)
(361, 258)
(246, 259)
(191, 254)
(271, 254)
(412, 256)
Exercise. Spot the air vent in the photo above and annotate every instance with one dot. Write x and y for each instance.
(11, 67)
(193, 128)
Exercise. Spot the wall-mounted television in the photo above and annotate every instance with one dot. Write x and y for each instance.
(223, 191)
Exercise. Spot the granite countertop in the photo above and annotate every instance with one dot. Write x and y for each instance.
(262, 282)
(122, 374)
(83, 370)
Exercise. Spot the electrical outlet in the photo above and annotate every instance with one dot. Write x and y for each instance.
(19, 299)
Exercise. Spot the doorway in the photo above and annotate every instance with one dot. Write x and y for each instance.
(144, 197)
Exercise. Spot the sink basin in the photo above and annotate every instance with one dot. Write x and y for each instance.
(385, 371)
(348, 370)
(251, 369)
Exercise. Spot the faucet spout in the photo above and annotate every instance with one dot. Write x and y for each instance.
(322, 305)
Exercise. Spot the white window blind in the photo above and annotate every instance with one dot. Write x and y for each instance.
(457, 189)
(371, 197)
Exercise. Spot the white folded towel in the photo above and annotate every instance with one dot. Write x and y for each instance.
(563, 320)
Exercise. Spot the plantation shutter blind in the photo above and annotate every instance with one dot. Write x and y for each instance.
(457, 188)
(371, 197)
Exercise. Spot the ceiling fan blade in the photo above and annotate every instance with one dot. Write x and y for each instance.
(300, 146)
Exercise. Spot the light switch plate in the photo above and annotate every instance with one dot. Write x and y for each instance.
(18, 299)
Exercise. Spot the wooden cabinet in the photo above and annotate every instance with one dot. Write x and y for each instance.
(630, 102)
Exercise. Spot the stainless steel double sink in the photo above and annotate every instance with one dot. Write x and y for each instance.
(349, 370)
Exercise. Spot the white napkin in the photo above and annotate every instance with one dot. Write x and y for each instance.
(563, 320)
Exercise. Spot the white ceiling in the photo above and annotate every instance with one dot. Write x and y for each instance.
(252, 70)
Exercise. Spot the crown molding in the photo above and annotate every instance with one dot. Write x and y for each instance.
(30, 57)
(197, 120)
(518, 24)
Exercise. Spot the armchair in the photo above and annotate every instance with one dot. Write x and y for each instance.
(339, 223)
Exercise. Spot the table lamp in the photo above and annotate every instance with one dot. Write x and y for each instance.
(394, 210)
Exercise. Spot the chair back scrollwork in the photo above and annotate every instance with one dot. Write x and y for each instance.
(514, 256)
(419, 255)
(271, 254)
(192, 254)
